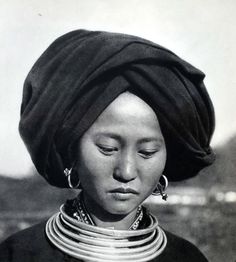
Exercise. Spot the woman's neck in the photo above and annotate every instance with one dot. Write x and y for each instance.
(104, 219)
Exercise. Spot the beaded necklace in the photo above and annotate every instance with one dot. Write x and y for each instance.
(82, 215)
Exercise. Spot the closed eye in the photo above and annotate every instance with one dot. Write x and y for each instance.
(107, 150)
(147, 153)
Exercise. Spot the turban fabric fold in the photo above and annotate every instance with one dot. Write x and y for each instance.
(82, 72)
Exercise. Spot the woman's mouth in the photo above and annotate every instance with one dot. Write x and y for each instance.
(123, 193)
(124, 190)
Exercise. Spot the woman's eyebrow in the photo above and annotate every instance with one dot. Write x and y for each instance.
(109, 134)
(140, 141)
(151, 139)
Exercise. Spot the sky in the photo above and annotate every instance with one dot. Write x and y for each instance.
(201, 32)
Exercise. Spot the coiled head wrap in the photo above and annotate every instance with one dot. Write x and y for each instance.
(82, 72)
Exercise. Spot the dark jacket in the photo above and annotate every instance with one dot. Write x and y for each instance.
(32, 245)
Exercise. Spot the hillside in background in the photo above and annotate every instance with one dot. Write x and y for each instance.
(30, 194)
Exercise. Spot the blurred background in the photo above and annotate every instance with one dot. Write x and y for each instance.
(202, 209)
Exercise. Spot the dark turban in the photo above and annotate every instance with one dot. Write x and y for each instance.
(82, 72)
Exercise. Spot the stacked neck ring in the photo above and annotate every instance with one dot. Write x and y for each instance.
(96, 244)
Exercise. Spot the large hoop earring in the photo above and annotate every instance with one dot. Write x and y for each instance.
(67, 173)
(160, 188)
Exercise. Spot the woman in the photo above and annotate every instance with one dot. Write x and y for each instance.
(115, 116)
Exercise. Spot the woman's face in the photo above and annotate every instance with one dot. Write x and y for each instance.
(121, 156)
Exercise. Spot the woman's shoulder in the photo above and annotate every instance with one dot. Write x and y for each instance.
(29, 235)
(180, 249)
(29, 245)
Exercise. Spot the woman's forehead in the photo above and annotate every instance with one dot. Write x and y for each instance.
(129, 105)
(128, 114)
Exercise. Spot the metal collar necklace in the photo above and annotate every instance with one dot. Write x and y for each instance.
(88, 242)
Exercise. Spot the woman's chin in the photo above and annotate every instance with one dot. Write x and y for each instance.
(121, 209)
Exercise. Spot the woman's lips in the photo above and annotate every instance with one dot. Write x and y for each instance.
(124, 190)
(123, 194)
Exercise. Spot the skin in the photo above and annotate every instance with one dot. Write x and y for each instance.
(124, 150)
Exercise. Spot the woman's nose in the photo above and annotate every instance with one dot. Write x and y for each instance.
(126, 169)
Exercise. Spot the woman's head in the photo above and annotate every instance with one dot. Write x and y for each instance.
(121, 156)
(83, 72)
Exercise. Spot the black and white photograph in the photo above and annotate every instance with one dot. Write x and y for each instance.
(117, 131)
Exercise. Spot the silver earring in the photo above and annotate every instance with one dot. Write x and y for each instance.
(67, 173)
(160, 188)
